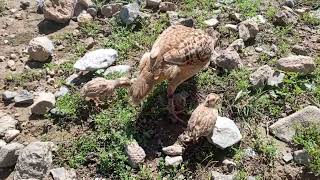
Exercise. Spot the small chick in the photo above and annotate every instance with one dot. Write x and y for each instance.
(203, 119)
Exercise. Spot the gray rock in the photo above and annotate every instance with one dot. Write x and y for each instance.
(300, 50)
(173, 161)
(219, 176)
(174, 150)
(226, 1)
(129, 13)
(290, 3)
(40, 49)
(10, 135)
(225, 133)
(24, 4)
(285, 128)
(7, 123)
(188, 22)
(154, 4)
(284, 18)
(167, 6)
(173, 17)
(259, 19)
(60, 11)
(229, 59)
(86, 3)
(43, 104)
(299, 64)
(249, 152)
(84, 18)
(251, 178)
(62, 91)
(34, 161)
(237, 45)
(8, 95)
(287, 157)
(122, 69)
(301, 157)
(276, 79)
(9, 154)
(92, 11)
(231, 166)
(98, 59)
(211, 22)
(2, 143)
(63, 174)
(261, 75)
(135, 153)
(248, 30)
(110, 9)
(23, 97)
(258, 49)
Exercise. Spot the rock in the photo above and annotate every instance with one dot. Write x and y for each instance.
(7, 123)
(237, 45)
(174, 150)
(84, 18)
(219, 176)
(110, 9)
(225, 133)
(259, 19)
(86, 3)
(135, 153)
(248, 30)
(60, 11)
(167, 6)
(299, 64)
(129, 13)
(13, 56)
(173, 17)
(251, 178)
(231, 166)
(9, 154)
(284, 18)
(301, 157)
(188, 22)
(11, 134)
(11, 64)
(23, 98)
(2, 143)
(154, 4)
(276, 79)
(258, 49)
(287, 157)
(34, 161)
(40, 49)
(229, 59)
(98, 59)
(43, 104)
(8, 95)
(300, 50)
(122, 69)
(92, 11)
(211, 22)
(24, 4)
(63, 174)
(173, 161)
(226, 2)
(231, 27)
(236, 17)
(290, 3)
(62, 91)
(285, 128)
(261, 75)
(2, 58)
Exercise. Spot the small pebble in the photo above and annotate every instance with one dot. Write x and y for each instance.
(13, 56)
(5, 41)
(259, 49)
(2, 58)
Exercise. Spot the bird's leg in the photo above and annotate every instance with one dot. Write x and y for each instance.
(171, 106)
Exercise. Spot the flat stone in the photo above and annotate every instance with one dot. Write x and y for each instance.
(301, 157)
(285, 128)
(23, 97)
(287, 157)
(248, 30)
(219, 176)
(8, 95)
(63, 174)
(7, 123)
(173, 161)
(11, 134)
(43, 104)
(9, 154)
(232, 27)
(299, 64)
(135, 153)
(174, 150)
(211, 22)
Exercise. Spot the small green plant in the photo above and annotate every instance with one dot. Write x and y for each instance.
(271, 12)
(266, 147)
(248, 8)
(309, 139)
(2, 6)
(91, 29)
(70, 105)
(241, 175)
(310, 19)
(24, 77)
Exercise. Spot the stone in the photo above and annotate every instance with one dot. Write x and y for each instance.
(284, 18)
(23, 98)
(154, 4)
(63, 174)
(237, 45)
(248, 30)
(173, 150)
(211, 22)
(13, 56)
(60, 11)
(86, 3)
(2, 58)
(276, 79)
(188, 22)
(301, 157)
(226, 2)
(232, 27)
(167, 6)
(121, 69)
(219, 176)
(173, 161)
(40, 49)
(97, 59)
(11, 64)
(130, 13)
(110, 9)
(229, 59)
(260, 77)
(316, 13)
(236, 17)
(285, 128)
(62, 91)
(9, 154)
(299, 64)
(300, 50)
(251, 178)
(8, 95)
(92, 11)
(2, 143)
(43, 104)
(290, 3)
(225, 133)
(173, 17)
(231, 166)
(7, 123)
(287, 157)
(10, 135)
(259, 19)
(258, 49)
(84, 18)
(135, 153)
(34, 161)
(24, 4)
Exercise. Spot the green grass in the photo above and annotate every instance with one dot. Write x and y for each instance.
(309, 139)
(309, 19)
(248, 8)
(2, 6)
(241, 175)
(266, 147)
(25, 77)
(271, 12)
(71, 105)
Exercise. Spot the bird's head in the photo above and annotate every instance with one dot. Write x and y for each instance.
(212, 100)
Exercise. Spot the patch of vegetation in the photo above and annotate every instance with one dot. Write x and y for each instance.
(2, 6)
(310, 19)
(248, 8)
(285, 36)
(309, 139)
(241, 175)
(265, 147)
(271, 12)
(24, 77)
(71, 105)
(91, 29)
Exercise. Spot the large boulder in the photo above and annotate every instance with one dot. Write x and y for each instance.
(60, 11)
(285, 128)
(43, 103)
(34, 161)
(40, 49)
(9, 154)
(299, 64)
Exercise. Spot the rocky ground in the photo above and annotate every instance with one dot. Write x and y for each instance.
(267, 68)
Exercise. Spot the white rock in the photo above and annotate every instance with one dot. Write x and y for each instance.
(219, 176)
(237, 45)
(122, 69)
(9, 154)
(301, 157)
(261, 75)
(129, 13)
(259, 19)
(287, 157)
(43, 103)
(300, 64)
(8, 95)
(98, 59)
(174, 150)
(11, 134)
(84, 18)
(11, 64)
(62, 91)
(63, 174)
(34, 161)
(211, 22)
(173, 161)
(60, 11)
(7, 123)
(232, 27)
(248, 30)
(40, 49)
(285, 128)
(225, 133)
(2, 58)
(135, 153)
(276, 79)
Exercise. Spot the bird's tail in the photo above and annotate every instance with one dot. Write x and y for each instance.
(141, 87)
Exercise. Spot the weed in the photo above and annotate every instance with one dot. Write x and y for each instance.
(310, 19)
(241, 175)
(70, 105)
(2, 6)
(248, 8)
(271, 12)
(266, 147)
(91, 29)
(24, 77)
